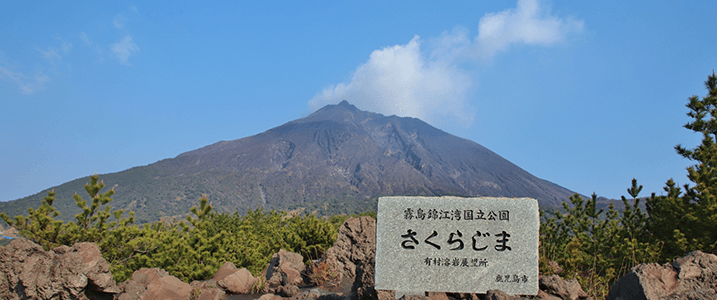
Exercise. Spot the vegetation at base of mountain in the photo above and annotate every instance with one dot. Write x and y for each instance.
(192, 249)
(91, 224)
(173, 197)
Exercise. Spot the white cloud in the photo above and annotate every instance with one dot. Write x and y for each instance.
(123, 49)
(400, 80)
(25, 84)
(434, 87)
(52, 54)
(527, 24)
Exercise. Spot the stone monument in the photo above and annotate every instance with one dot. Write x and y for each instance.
(459, 245)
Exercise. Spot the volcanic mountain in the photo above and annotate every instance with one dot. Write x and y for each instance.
(336, 160)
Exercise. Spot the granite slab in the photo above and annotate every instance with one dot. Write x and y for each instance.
(459, 245)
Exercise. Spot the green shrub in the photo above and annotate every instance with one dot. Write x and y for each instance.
(192, 249)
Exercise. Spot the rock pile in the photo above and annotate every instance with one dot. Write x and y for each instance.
(158, 284)
(284, 273)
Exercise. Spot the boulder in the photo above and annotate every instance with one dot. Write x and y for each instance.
(353, 257)
(145, 276)
(234, 281)
(239, 282)
(154, 283)
(645, 281)
(560, 288)
(62, 273)
(225, 270)
(168, 287)
(693, 276)
(285, 268)
(207, 290)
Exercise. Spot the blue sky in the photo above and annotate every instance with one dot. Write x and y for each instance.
(587, 95)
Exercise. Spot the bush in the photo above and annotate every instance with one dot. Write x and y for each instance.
(192, 249)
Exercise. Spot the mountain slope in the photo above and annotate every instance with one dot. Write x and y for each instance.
(338, 159)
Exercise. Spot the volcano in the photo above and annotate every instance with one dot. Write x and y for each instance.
(337, 160)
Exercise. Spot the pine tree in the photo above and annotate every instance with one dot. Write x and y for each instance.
(687, 220)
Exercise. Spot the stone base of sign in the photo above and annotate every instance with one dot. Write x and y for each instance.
(457, 245)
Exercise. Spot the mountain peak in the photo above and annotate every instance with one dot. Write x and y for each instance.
(345, 105)
(341, 105)
(343, 112)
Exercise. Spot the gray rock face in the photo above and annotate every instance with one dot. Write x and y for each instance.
(29, 272)
(693, 276)
(353, 257)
